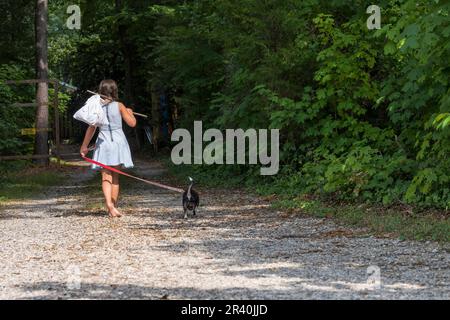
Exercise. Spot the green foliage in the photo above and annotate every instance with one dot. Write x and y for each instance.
(16, 184)
(363, 114)
(378, 221)
(355, 107)
(17, 32)
(14, 119)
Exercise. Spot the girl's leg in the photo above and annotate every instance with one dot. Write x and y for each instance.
(107, 181)
(115, 188)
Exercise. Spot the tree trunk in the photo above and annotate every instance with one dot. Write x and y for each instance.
(156, 123)
(41, 138)
(127, 55)
(125, 47)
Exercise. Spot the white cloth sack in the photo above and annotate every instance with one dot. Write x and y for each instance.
(92, 112)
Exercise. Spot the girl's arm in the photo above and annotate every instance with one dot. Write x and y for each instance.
(87, 139)
(127, 115)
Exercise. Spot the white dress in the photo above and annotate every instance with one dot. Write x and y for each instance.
(111, 147)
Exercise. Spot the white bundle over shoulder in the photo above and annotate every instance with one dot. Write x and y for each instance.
(92, 112)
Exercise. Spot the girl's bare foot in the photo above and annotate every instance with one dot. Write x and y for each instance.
(114, 213)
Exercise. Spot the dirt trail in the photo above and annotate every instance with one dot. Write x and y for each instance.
(61, 245)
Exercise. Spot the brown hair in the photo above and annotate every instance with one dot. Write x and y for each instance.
(109, 88)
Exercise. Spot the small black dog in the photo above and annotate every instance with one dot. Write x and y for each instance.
(191, 199)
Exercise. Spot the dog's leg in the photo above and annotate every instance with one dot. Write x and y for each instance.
(194, 211)
(185, 214)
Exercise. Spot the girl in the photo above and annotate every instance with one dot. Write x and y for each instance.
(111, 147)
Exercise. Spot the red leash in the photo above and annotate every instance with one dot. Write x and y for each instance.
(133, 177)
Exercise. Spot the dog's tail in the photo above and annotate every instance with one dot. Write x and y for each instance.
(190, 187)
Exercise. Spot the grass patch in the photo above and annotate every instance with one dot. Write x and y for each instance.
(211, 177)
(380, 221)
(26, 182)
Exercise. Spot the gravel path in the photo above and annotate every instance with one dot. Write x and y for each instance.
(61, 245)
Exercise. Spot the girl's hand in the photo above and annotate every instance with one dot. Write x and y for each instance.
(127, 115)
(84, 151)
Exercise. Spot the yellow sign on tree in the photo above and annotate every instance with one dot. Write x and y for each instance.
(32, 131)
